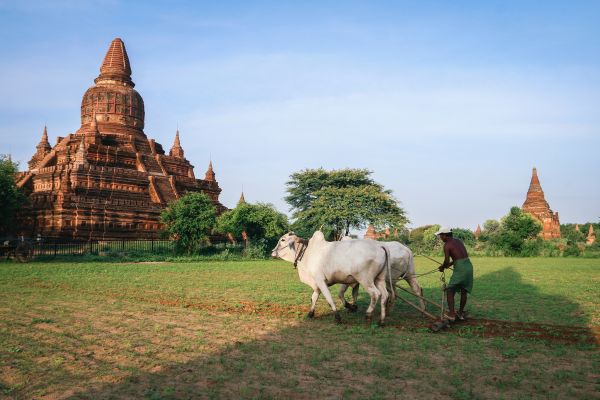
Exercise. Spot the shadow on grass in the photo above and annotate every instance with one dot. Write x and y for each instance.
(505, 305)
(318, 358)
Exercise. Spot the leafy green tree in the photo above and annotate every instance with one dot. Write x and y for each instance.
(516, 228)
(466, 235)
(340, 200)
(490, 228)
(190, 220)
(11, 198)
(261, 223)
(431, 243)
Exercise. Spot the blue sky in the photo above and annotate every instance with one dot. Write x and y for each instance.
(449, 103)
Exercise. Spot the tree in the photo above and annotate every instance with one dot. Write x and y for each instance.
(490, 228)
(258, 221)
(11, 197)
(341, 200)
(189, 220)
(466, 235)
(516, 228)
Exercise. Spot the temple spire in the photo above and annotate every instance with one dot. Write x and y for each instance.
(176, 150)
(536, 205)
(477, 232)
(242, 199)
(94, 123)
(44, 143)
(210, 174)
(81, 154)
(534, 185)
(115, 66)
(42, 149)
(591, 236)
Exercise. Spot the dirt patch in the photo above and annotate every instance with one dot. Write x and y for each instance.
(546, 332)
(479, 327)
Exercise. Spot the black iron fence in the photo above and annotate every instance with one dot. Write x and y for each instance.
(25, 249)
(58, 247)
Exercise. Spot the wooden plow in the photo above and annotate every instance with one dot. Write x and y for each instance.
(440, 322)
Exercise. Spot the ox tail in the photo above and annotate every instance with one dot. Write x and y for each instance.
(388, 268)
(411, 272)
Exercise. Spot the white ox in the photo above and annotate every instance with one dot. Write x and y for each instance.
(321, 264)
(402, 266)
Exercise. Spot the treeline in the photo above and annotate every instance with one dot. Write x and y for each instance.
(335, 202)
(515, 235)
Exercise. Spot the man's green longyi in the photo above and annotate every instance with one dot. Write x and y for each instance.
(462, 277)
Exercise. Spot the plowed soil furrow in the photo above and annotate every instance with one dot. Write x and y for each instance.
(480, 327)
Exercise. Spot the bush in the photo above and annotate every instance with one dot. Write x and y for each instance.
(572, 250)
(531, 247)
(189, 220)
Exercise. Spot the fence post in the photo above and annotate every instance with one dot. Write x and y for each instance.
(55, 248)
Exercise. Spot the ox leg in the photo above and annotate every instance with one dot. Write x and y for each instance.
(416, 289)
(380, 283)
(325, 290)
(342, 296)
(391, 299)
(355, 296)
(313, 304)
(375, 295)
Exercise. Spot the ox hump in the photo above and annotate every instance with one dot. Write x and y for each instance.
(318, 236)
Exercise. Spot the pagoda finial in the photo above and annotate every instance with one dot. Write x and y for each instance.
(115, 66)
(81, 154)
(176, 150)
(242, 199)
(44, 143)
(210, 174)
(535, 181)
(94, 123)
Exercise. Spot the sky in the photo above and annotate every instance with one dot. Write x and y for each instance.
(450, 104)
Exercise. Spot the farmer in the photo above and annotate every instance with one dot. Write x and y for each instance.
(462, 277)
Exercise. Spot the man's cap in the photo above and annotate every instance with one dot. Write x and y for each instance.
(443, 229)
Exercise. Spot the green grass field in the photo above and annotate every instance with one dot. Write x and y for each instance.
(237, 330)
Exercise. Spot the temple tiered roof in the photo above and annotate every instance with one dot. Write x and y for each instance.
(536, 205)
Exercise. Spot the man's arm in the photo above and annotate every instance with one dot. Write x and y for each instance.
(447, 263)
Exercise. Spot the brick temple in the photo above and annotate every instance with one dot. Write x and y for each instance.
(108, 180)
(536, 205)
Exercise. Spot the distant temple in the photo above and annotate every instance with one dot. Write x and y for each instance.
(591, 236)
(373, 234)
(477, 232)
(108, 180)
(536, 205)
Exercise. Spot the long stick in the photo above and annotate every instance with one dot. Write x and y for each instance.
(420, 297)
(429, 258)
(418, 309)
